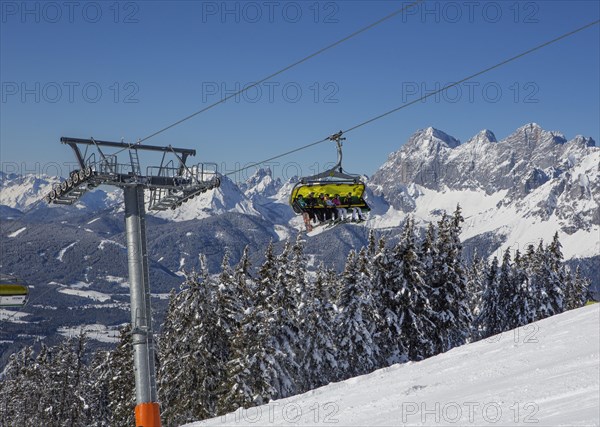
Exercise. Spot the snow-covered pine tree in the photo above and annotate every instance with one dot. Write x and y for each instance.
(98, 389)
(230, 298)
(506, 293)
(298, 283)
(283, 327)
(175, 347)
(194, 349)
(533, 288)
(318, 364)
(385, 281)
(541, 281)
(476, 276)
(476, 327)
(555, 287)
(371, 314)
(255, 358)
(372, 244)
(513, 298)
(265, 283)
(326, 288)
(243, 279)
(238, 387)
(462, 313)
(428, 253)
(414, 311)
(19, 392)
(357, 352)
(250, 369)
(66, 379)
(449, 299)
(489, 320)
(54, 388)
(523, 304)
(121, 381)
(576, 290)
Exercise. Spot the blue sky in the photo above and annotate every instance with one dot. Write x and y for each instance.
(125, 70)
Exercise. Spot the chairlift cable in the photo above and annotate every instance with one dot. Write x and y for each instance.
(281, 71)
(380, 116)
(493, 67)
(300, 61)
(287, 153)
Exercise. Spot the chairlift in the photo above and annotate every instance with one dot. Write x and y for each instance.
(13, 293)
(334, 181)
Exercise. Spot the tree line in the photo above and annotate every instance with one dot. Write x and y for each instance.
(246, 336)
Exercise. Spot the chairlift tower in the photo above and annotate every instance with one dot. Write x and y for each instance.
(170, 184)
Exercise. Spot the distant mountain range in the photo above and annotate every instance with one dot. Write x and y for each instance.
(513, 192)
(523, 188)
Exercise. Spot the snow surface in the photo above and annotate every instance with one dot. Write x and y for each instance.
(121, 281)
(105, 242)
(12, 316)
(94, 295)
(62, 252)
(16, 233)
(22, 192)
(546, 373)
(96, 332)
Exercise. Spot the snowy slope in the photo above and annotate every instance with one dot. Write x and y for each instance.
(547, 373)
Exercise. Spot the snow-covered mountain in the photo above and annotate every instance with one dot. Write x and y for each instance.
(520, 163)
(261, 184)
(523, 188)
(226, 198)
(25, 192)
(546, 373)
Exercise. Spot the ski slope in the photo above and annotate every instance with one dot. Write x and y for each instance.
(545, 374)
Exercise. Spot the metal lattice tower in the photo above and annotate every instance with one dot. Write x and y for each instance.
(170, 184)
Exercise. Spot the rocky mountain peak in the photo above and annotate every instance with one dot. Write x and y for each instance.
(519, 164)
(533, 135)
(226, 198)
(483, 137)
(431, 138)
(585, 141)
(261, 184)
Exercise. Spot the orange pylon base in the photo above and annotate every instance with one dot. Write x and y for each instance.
(147, 415)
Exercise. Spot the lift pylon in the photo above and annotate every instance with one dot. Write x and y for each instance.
(170, 184)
